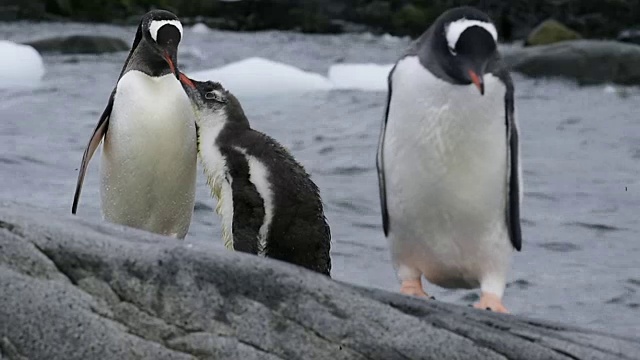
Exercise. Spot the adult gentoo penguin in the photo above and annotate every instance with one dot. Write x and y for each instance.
(448, 160)
(269, 205)
(149, 157)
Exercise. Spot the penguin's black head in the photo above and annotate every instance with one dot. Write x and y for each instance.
(207, 95)
(213, 102)
(465, 40)
(162, 30)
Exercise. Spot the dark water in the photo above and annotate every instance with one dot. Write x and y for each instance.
(580, 262)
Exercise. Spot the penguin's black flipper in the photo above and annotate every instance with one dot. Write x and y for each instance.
(513, 212)
(248, 205)
(380, 161)
(499, 69)
(99, 132)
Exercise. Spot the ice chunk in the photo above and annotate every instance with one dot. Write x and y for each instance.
(366, 77)
(390, 38)
(257, 76)
(20, 65)
(200, 28)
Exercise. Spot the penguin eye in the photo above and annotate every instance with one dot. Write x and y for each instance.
(215, 95)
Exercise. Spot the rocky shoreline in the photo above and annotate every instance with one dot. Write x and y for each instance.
(587, 62)
(75, 289)
(589, 42)
(515, 19)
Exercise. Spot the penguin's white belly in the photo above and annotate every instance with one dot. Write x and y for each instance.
(445, 160)
(148, 168)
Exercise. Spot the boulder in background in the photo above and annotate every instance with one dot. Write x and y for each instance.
(631, 36)
(550, 32)
(585, 61)
(80, 44)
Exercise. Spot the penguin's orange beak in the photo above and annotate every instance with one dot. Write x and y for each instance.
(477, 81)
(171, 63)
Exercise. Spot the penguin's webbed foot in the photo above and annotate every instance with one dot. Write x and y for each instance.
(413, 288)
(492, 302)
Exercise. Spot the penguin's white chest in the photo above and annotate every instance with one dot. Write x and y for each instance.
(218, 178)
(149, 159)
(445, 163)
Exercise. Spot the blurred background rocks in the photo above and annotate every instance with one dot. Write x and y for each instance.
(515, 19)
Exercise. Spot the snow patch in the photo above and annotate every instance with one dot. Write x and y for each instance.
(258, 77)
(200, 28)
(365, 77)
(20, 65)
(393, 39)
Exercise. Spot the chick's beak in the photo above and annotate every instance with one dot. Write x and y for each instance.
(477, 81)
(185, 80)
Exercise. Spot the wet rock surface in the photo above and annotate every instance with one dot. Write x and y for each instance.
(515, 19)
(631, 36)
(80, 44)
(75, 289)
(586, 61)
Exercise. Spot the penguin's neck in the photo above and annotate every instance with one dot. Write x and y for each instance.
(431, 54)
(146, 60)
(210, 125)
(214, 123)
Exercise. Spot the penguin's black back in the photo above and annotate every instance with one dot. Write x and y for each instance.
(299, 232)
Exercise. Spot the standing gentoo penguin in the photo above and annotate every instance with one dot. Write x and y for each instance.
(268, 203)
(148, 168)
(448, 160)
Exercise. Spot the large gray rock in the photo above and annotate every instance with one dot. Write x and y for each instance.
(80, 44)
(550, 32)
(586, 61)
(631, 36)
(72, 289)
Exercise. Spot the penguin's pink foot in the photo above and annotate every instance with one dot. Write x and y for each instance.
(489, 301)
(412, 288)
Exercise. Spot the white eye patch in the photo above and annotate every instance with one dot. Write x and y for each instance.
(456, 28)
(157, 24)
